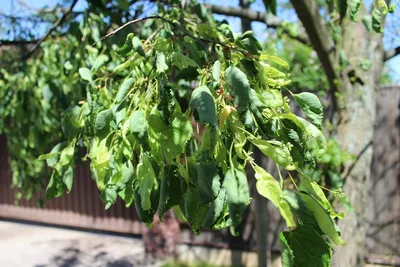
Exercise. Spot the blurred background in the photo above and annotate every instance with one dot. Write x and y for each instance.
(362, 118)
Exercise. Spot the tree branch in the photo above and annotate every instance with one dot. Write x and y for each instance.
(308, 12)
(391, 53)
(55, 25)
(16, 42)
(271, 21)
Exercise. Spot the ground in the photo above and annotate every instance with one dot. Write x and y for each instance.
(24, 245)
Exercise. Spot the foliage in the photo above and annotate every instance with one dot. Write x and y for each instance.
(168, 120)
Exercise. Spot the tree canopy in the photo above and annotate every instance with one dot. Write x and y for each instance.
(167, 109)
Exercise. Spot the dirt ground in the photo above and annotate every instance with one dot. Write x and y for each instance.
(24, 245)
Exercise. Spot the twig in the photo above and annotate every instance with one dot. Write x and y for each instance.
(182, 29)
(127, 24)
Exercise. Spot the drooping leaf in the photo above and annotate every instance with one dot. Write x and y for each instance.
(146, 173)
(208, 182)
(269, 188)
(138, 124)
(137, 46)
(323, 219)
(316, 135)
(299, 208)
(161, 63)
(216, 209)
(181, 131)
(193, 210)
(172, 191)
(202, 103)
(124, 89)
(311, 106)
(127, 47)
(236, 186)
(313, 189)
(68, 177)
(239, 87)
(182, 61)
(103, 119)
(216, 70)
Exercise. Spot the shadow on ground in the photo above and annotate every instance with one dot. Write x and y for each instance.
(74, 257)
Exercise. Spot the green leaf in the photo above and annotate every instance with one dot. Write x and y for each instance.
(182, 131)
(276, 151)
(323, 219)
(156, 122)
(236, 186)
(299, 208)
(367, 21)
(391, 8)
(270, 6)
(355, 7)
(171, 192)
(193, 210)
(137, 46)
(127, 47)
(215, 210)
(124, 89)
(239, 87)
(103, 119)
(378, 13)
(275, 59)
(138, 124)
(182, 61)
(161, 63)
(68, 177)
(85, 74)
(216, 70)
(313, 189)
(311, 106)
(100, 61)
(272, 98)
(66, 155)
(304, 247)
(202, 103)
(127, 172)
(208, 182)
(269, 188)
(316, 135)
(147, 178)
(49, 156)
(109, 196)
(55, 188)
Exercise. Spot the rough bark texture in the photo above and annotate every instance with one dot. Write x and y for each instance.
(355, 131)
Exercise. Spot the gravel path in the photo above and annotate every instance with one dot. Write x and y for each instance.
(23, 245)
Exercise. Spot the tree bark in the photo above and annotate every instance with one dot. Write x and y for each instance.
(356, 104)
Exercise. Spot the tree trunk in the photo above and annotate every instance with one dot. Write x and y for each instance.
(356, 103)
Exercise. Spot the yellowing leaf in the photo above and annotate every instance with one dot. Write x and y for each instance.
(269, 188)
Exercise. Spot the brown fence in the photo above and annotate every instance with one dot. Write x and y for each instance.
(80, 208)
